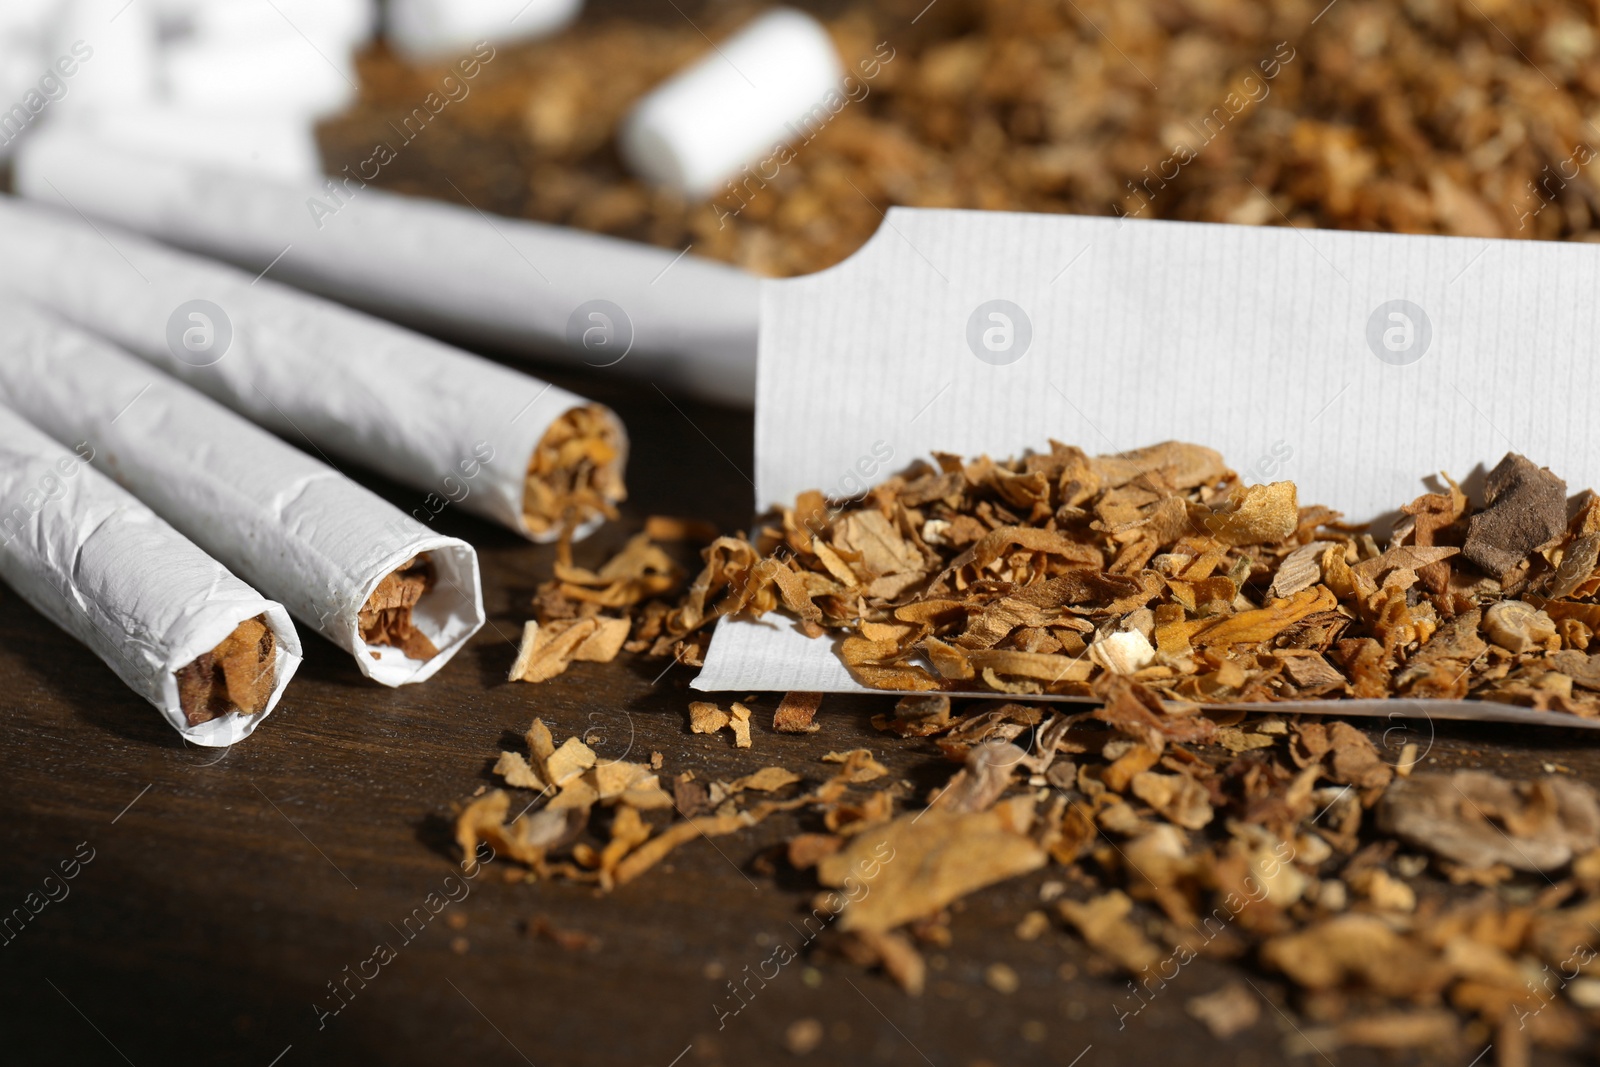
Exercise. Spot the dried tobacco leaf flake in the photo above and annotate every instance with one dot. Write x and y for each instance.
(739, 723)
(1526, 508)
(515, 770)
(1257, 514)
(548, 650)
(989, 770)
(917, 864)
(1476, 819)
(1104, 923)
(567, 762)
(1176, 796)
(1227, 1011)
(707, 718)
(765, 780)
(859, 766)
(795, 712)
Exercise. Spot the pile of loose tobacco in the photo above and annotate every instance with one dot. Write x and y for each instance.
(1046, 574)
(1150, 581)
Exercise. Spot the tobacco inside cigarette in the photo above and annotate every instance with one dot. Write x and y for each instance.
(237, 675)
(386, 617)
(574, 475)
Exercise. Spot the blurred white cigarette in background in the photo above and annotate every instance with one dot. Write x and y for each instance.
(619, 307)
(207, 650)
(458, 428)
(332, 26)
(122, 69)
(425, 30)
(748, 95)
(280, 144)
(335, 554)
(281, 71)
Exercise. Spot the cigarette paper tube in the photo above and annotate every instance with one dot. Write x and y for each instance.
(424, 30)
(289, 525)
(110, 572)
(458, 428)
(747, 96)
(686, 323)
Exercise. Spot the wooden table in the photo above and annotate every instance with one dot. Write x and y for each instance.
(229, 891)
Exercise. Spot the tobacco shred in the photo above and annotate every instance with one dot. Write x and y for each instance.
(575, 473)
(386, 618)
(238, 675)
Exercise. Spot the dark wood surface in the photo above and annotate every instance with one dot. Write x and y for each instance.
(228, 888)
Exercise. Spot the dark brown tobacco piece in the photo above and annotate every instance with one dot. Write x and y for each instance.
(237, 675)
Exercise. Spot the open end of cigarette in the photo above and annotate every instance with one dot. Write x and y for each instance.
(386, 617)
(238, 675)
(576, 472)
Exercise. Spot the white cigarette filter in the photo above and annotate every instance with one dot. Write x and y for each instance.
(758, 90)
(332, 26)
(424, 30)
(116, 44)
(400, 598)
(459, 429)
(207, 650)
(607, 305)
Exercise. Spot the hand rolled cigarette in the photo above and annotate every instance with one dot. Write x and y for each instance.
(401, 599)
(616, 306)
(458, 428)
(744, 98)
(207, 650)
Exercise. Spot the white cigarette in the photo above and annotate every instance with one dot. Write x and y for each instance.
(115, 42)
(423, 30)
(749, 95)
(665, 317)
(276, 71)
(401, 599)
(458, 428)
(278, 143)
(207, 650)
(333, 27)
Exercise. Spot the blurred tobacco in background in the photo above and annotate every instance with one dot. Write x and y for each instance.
(1428, 116)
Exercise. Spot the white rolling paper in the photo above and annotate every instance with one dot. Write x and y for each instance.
(1354, 364)
(293, 527)
(679, 321)
(107, 570)
(456, 427)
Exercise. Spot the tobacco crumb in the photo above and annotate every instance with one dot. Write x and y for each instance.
(237, 675)
(1002, 978)
(802, 1036)
(1230, 1010)
(386, 617)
